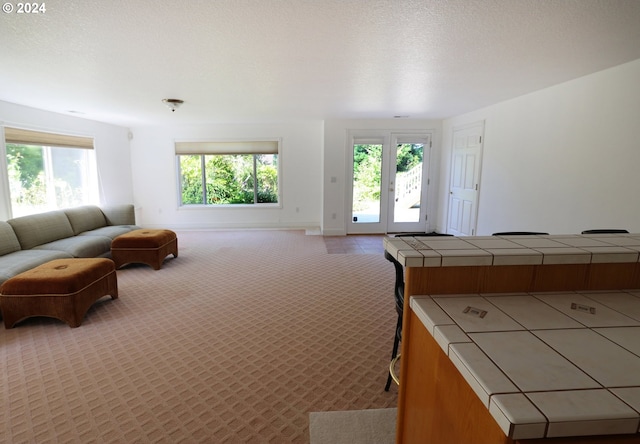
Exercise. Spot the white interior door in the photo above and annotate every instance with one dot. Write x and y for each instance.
(388, 173)
(464, 190)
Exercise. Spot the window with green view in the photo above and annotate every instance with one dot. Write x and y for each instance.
(49, 171)
(233, 176)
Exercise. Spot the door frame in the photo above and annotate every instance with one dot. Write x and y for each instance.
(480, 126)
(421, 224)
(372, 137)
(388, 155)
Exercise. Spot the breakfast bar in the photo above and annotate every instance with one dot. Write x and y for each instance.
(519, 339)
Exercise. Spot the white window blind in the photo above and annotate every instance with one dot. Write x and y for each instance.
(28, 137)
(244, 147)
(412, 140)
(368, 140)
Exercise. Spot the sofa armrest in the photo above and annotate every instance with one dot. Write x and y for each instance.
(8, 240)
(123, 214)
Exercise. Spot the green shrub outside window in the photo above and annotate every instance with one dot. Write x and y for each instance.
(228, 179)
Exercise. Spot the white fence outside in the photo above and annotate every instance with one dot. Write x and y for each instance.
(408, 187)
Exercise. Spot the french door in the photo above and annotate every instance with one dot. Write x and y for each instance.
(388, 173)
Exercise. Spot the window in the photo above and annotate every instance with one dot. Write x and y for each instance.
(228, 173)
(49, 171)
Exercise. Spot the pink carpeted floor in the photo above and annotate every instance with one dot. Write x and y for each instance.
(235, 341)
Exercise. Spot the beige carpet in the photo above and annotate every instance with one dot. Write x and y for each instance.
(235, 341)
(375, 426)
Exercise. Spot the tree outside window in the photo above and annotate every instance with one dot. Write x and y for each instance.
(43, 178)
(228, 179)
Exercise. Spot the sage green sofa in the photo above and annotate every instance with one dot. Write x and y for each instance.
(86, 231)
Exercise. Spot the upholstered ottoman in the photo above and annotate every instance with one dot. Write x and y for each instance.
(63, 289)
(144, 246)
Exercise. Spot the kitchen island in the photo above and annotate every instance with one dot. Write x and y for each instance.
(436, 403)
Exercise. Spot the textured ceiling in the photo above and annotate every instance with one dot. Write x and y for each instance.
(274, 60)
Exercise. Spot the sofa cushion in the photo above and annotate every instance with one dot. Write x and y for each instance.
(80, 246)
(38, 229)
(23, 260)
(109, 231)
(85, 218)
(123, 214)
(8, 240)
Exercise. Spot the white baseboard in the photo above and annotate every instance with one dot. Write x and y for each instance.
(309, 229)
(334, 232)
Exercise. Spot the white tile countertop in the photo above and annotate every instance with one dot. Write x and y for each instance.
(545, 364)
(443, 251)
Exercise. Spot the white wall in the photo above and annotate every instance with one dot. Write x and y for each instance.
(335, 156)
(111, 144)
(155, 177)
(559, 160)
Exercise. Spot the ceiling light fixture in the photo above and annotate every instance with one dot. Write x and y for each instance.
(173, 104)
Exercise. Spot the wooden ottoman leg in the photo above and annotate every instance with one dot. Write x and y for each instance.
(162, 252)
(84, 299)
(11, 311)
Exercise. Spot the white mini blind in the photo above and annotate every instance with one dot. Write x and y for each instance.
(245, 147)
(413, 139)
(368, 140)
(28, 137)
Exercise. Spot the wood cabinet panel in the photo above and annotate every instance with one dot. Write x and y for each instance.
(560, 277)
(507, 278)
(435, 404)
(616, 276)
(440, 405)
(443, 280)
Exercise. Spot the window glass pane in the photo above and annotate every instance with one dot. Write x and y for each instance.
(26, 178)
(267, 178)
(43, 178)
(71, 176)
(191, 179)
(229, 179)
(367, 176)
(244, 176)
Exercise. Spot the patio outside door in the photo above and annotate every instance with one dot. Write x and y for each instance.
(388, 182)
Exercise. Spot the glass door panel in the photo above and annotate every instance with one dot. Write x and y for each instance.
(408, 182)
(367, 183)
(408, 172)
